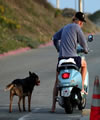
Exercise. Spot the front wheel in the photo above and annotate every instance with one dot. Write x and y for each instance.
(82, 104)
(67, 105)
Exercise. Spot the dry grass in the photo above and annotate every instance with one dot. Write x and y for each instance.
(37, 20)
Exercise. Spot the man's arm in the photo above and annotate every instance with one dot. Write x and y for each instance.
(56, 39)
(82, 41)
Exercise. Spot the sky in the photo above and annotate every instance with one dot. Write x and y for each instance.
(90, 6)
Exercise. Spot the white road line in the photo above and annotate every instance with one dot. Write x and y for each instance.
(36, 109)
(26, 116)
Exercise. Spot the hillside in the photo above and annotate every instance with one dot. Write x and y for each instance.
(30, 23)
(95, 17)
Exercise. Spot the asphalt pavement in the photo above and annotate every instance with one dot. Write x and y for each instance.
(43, 62)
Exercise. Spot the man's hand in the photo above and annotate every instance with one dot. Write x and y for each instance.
(84, 92)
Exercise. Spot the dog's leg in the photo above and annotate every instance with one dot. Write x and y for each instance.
(19, 103)
(29, 102)
(24, 103)
(11, 99)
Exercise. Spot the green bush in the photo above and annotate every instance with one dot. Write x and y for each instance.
(9, 23)
(95, 16)
(2, 9)
(28, 41)
(6, 22)
(68, 12)
(58, 13)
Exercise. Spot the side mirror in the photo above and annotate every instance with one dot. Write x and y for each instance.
(90, 38)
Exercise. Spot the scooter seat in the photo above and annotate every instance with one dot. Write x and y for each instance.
(68, 66)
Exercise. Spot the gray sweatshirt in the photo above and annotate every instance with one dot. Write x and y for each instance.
(70, 36)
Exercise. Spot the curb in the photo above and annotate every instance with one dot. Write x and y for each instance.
(85, 118)
(20, 50)
(15, 52)
(85, 114)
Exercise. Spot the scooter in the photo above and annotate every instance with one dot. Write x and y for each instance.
(70, 83)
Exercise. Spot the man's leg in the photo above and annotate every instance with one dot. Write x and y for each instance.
(83, 72)
(55, 93)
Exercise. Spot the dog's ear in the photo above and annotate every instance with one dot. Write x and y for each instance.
(30, 73)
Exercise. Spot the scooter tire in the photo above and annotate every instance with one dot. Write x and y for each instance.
(82, 104)
(68, 106)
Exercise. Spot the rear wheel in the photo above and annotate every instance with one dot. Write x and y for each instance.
(68, 106)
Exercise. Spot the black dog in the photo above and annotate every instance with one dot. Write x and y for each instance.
(22, 88)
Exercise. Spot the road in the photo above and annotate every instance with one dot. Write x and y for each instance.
(43, 62)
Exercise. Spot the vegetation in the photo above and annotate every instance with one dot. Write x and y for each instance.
(31, 23)
(68, 12)
(95, 17)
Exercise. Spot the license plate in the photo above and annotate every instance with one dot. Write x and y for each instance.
(65, 92)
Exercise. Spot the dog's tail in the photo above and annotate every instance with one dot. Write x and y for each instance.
(9, 87)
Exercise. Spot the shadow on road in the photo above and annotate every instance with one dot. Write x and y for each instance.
(44, 114)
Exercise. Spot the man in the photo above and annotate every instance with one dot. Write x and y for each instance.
(66, 41)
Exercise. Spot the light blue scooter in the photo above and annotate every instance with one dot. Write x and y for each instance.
(70, 84)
